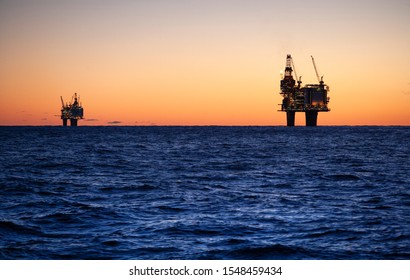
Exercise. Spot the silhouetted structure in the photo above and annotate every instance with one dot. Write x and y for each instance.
(310, 99)
(72, 111)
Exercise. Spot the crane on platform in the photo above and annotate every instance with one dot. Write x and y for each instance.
(299, 80)
(320, 80)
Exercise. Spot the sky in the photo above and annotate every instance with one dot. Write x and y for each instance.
(214, 62)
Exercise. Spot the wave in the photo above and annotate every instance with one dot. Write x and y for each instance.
(269, 252)
(342, 177)
(7, 227)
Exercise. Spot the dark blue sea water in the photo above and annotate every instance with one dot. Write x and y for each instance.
(205, 193)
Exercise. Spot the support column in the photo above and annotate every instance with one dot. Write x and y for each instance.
(290, 117)
(64, 122)
(73, 122)
(311, 118)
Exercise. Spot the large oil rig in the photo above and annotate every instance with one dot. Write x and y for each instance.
(311, 99)
(72, 111)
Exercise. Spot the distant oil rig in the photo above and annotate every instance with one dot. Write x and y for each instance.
(72, 111)
(311, 98)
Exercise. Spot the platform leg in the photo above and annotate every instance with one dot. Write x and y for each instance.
(311, 118)
(290, 118)
(73, 122)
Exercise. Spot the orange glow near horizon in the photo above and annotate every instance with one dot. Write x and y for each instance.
(201, 63)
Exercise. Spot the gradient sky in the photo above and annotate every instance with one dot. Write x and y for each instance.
(180, 62)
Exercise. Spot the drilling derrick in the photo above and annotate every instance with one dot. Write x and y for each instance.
(72, 111)
(311, 98)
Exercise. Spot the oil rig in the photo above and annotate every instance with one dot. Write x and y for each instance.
(72, 111)
(311, 98)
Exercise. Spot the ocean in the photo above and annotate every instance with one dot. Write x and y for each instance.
(205, 192)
